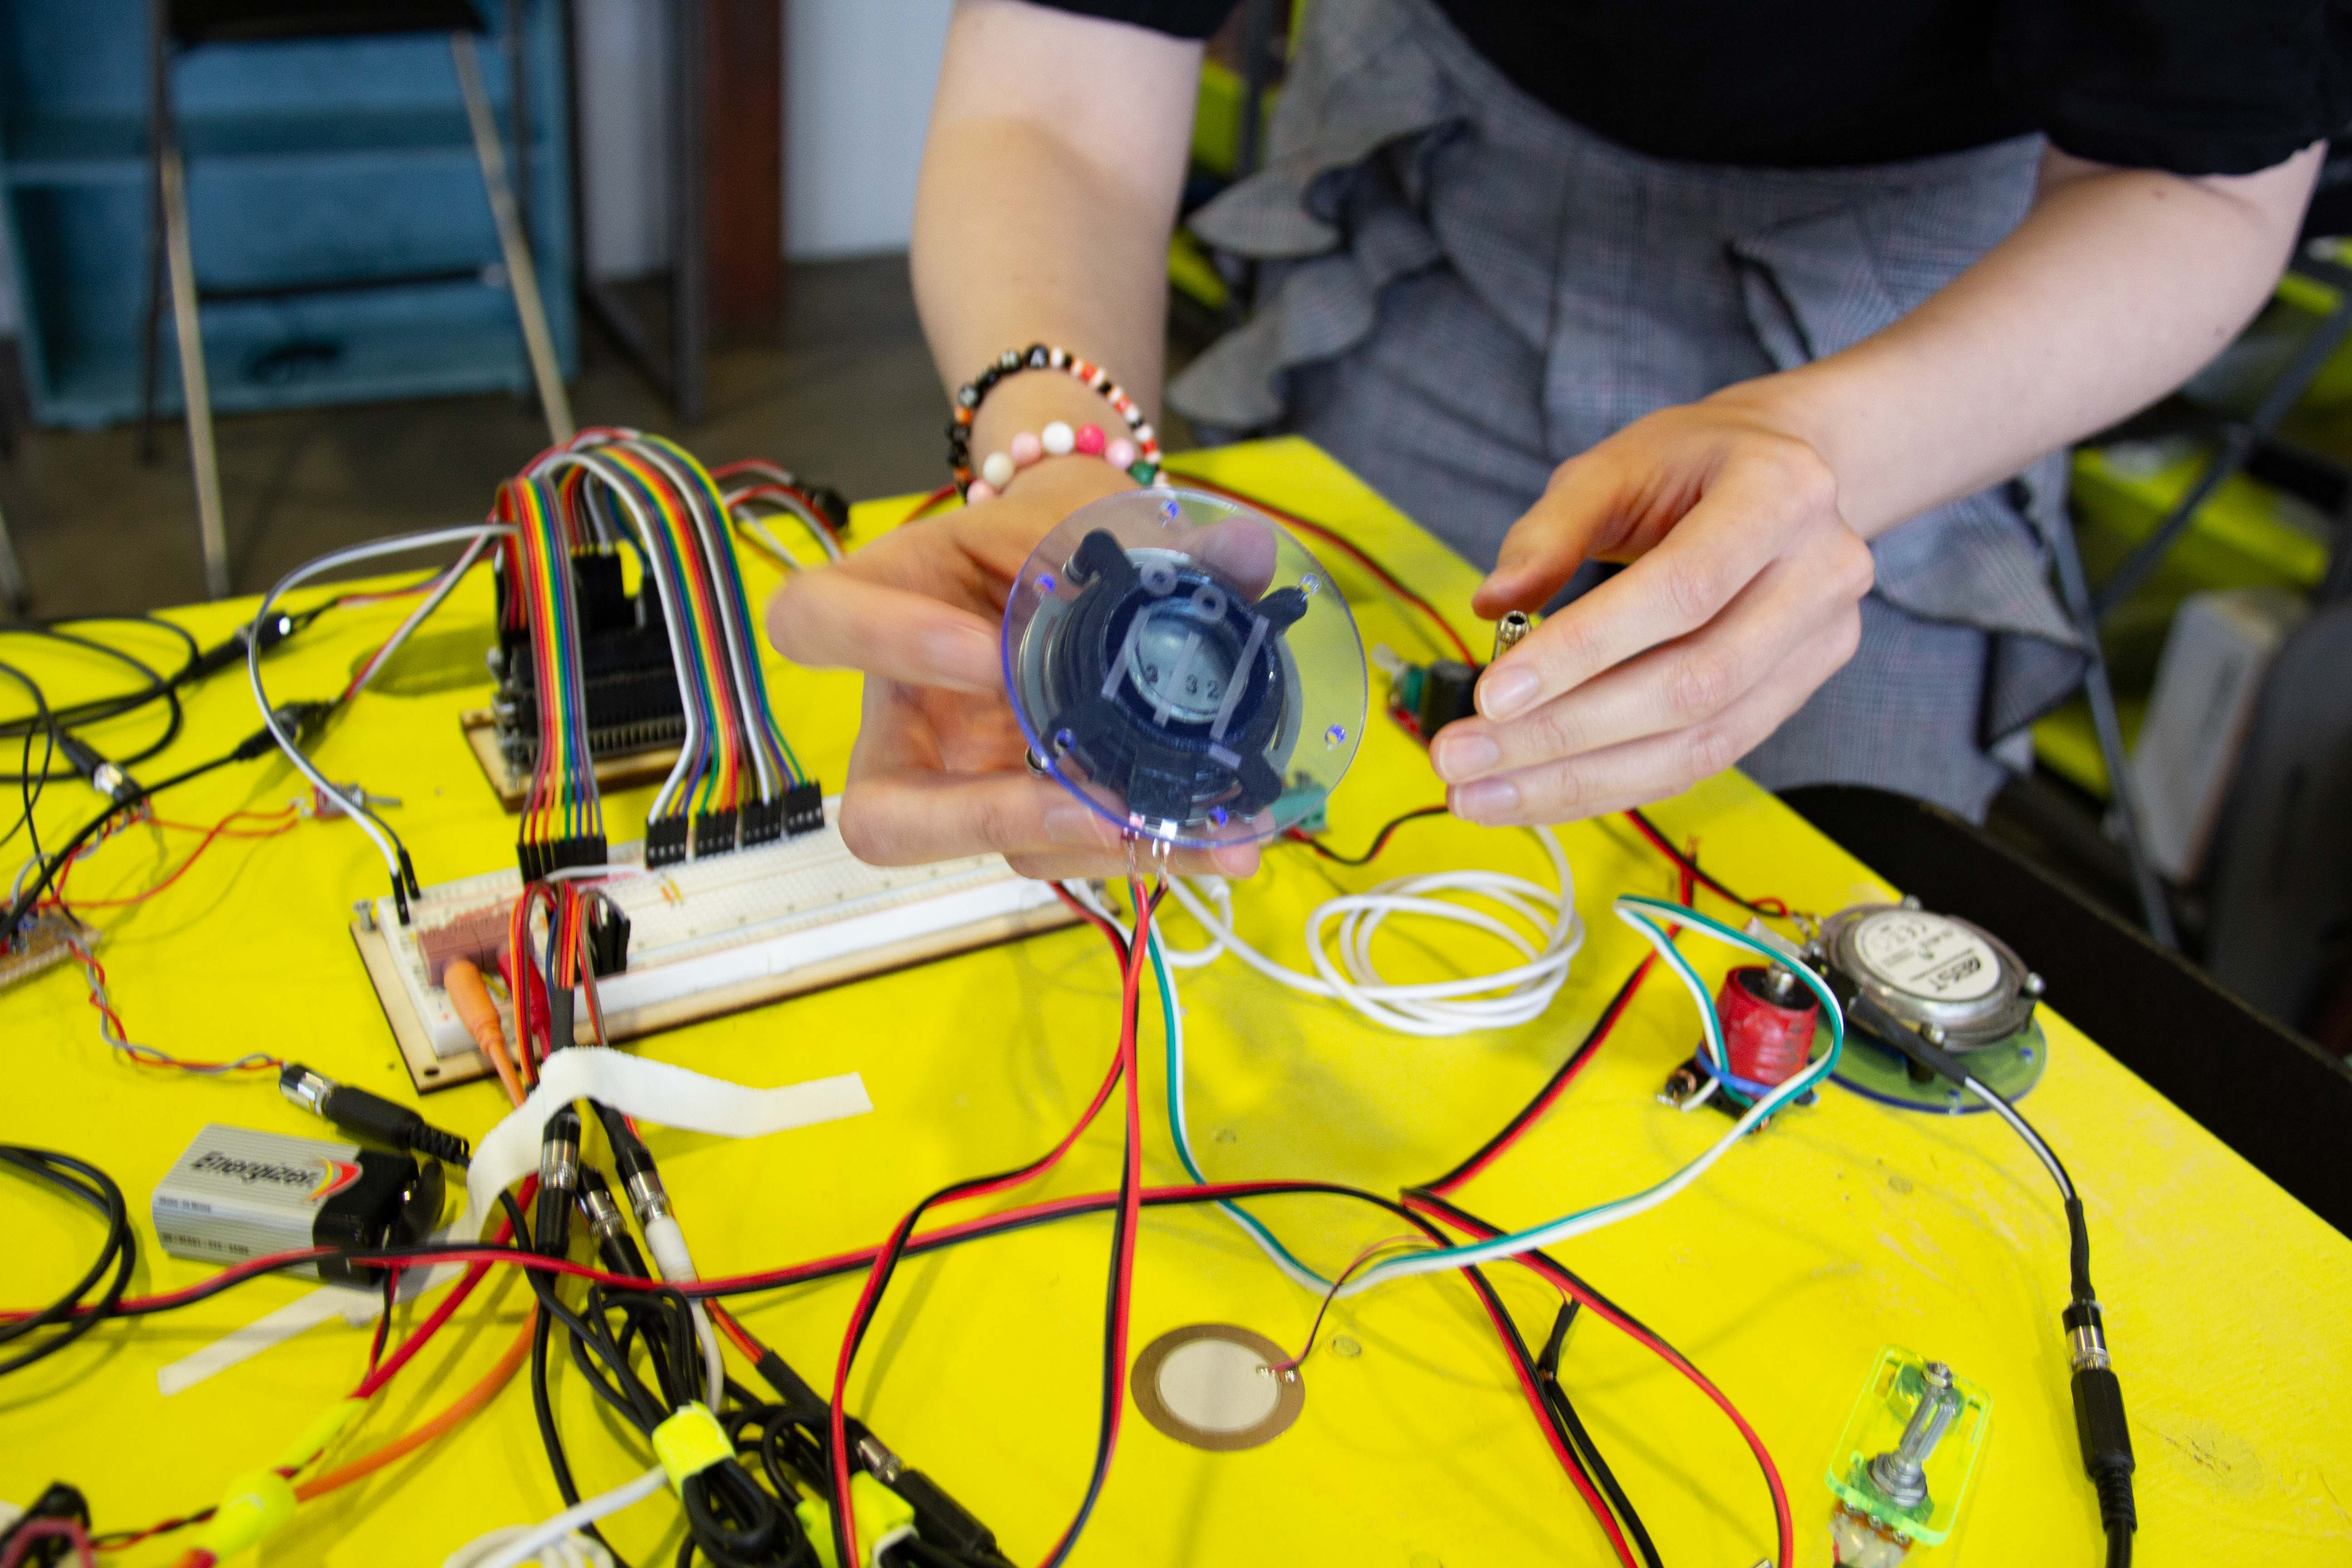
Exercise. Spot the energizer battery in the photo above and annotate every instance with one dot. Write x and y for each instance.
(238, 1194)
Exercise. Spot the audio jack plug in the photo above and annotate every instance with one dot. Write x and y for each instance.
(366, 1115)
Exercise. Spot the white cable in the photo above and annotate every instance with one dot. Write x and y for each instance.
(1543, 929)
(417, 617)
(573, 1551)
(587, 1511)
(398, 544)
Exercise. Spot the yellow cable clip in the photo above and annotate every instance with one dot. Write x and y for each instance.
(256, 1504)
(689, 1443)
(884, 1517)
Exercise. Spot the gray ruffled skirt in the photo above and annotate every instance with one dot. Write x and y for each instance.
(1459, 289)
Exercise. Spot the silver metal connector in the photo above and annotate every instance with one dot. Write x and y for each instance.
(603, 1215)
(879, 1461)
(306, 1088)
(559, 1164)
(1508, 631)
(649, 1198)
(1900, 1475)
(2086, 1347)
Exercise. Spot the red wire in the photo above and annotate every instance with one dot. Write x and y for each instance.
(867, 1297)
(219, 830)
(1560, 1278)
(1341, 542)
(928, 502)
(1535, 1399)
(1553, 1090)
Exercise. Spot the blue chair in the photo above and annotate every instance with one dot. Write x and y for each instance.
(179, 26)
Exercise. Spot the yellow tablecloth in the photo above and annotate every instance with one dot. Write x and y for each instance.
(1842, 1227)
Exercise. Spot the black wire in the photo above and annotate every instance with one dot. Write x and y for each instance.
(30, 784)
(56, 863)
(1380, 839)
(85, 1183)
(1665, 846)
(100, 710)
(1573, 1433)
(1576, 1059)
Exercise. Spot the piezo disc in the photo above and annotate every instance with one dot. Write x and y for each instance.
(1212, 1386)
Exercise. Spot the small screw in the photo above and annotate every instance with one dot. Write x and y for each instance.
(2033, 986)
(1345, 1348)
(1933, 1034)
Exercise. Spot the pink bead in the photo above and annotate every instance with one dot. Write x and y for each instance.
(1090, 440)
(978, 492)
(1026, 449)
(1120, 454)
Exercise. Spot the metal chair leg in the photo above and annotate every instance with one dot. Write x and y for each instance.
(12, 572)
(2074, 587)
(202, 458)
(522, 279)
(159, 113)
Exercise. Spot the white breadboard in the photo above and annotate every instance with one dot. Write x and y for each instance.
(710, 936)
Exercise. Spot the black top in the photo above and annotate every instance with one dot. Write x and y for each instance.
(2198, 86)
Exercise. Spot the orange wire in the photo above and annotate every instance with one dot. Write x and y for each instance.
(407, 1443)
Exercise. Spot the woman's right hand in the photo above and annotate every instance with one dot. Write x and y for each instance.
(938, 770)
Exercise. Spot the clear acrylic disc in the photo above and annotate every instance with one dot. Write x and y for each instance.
(1185, 667)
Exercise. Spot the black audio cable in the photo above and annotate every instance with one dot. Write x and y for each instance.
(2100, 1426)
(366, 1115)
(84, 1182)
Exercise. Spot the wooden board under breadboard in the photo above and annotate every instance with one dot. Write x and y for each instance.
(481, 727)
(710, 936)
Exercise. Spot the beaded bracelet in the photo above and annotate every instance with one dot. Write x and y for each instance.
(1055, 441)
(1145, 467)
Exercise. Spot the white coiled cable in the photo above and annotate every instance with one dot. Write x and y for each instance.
(1539, 923)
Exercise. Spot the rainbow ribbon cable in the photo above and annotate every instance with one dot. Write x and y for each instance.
(563, 817)
(736, 779)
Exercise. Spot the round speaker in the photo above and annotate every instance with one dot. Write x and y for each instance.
(1185, 667)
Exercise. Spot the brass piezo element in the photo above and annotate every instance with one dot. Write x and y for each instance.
(1508, 631)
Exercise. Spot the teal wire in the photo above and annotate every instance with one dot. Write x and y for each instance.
(1182, 1140)
(1632, 909)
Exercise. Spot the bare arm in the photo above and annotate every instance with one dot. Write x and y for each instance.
(1744, 514)
(2117, 288)
(1050, 181)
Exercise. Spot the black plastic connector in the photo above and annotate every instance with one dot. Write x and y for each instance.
(939, 1520)
(714, 834)
(2101, 1428)
(58, 1501)
(1449, 690)
(370, 1116)
(539, 860)
(666, 840)
(761, 822)
(559, 1178)
(303, 721)
(803, 1404)
(608, 1227)
(102, 776)
(231, 650)
(608, 938)
(804, 808)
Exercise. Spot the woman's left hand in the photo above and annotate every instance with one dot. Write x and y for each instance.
(1742, 595)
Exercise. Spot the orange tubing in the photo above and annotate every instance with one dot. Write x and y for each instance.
(407, 1443)
(462, 982)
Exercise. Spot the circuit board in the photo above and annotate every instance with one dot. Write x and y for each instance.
(706, 936)
(45, 944)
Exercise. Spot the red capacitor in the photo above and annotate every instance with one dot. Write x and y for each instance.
(1766, 1041)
